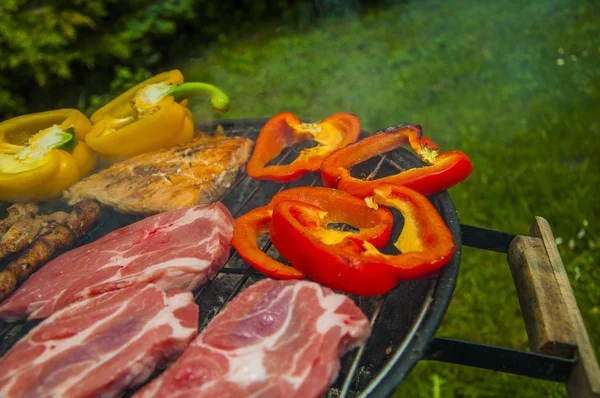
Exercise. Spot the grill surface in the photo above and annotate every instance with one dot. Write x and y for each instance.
(403, 321)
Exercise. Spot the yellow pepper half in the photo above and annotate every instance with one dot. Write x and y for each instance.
(42, 154)
(150, 116)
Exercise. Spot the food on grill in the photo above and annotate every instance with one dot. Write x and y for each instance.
(334, 206)
(443, 171)
(174, 250)
(19, 236)
(298, 221)
(100, 346)
(61, 217)
(425, 245)
(57, 232)
(275, 339)
(17, 212)
(149, 116)
(170, 179)
(23, 232)
(42, 154)
(284, 129)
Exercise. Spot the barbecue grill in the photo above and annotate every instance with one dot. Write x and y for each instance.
(405, 320)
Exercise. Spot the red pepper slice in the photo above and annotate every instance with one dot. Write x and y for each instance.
(245, 235)
(285, 129)
(425, 244)
(445, 169)
(333, 206)
(375, 226)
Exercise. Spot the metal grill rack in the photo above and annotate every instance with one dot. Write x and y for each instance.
(404, 321)
(357, 373)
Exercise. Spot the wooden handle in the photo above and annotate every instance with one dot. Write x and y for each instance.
(549, 330)
(552, 318)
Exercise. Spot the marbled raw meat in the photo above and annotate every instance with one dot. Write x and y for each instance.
(179, 249)
(100, 346)
(275, 339)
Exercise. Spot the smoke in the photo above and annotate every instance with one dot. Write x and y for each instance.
(460, 69)
(321, 11)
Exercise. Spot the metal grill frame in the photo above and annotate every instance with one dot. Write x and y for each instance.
(406, 354)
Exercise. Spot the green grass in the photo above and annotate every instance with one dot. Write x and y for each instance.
(514, 85)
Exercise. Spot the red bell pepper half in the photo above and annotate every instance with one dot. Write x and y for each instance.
(425, 244)
(331, 206)
(444, 170)
(247, 230)
(285, 129)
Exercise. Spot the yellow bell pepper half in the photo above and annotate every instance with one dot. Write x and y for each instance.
(150, 116)
(32, 167)
(120, 106)
(146, 134)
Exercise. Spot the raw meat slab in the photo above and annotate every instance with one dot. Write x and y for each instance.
(100, 346)
(275, 339)
(175, 250)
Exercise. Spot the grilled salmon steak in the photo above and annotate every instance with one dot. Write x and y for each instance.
(169, 179)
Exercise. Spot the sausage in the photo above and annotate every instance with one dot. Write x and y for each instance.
(8, 282)
(83, 217)
(20, 235)
(17, 212)
(54, 237)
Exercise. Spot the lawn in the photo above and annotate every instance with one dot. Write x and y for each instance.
(514, 85)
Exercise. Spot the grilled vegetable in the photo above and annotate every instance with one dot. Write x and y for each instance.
(359, 268)
(60, 232)
(148, 116)
(444, 170)
(339, 207)
(42, 154)
(333, 207)
(285, 129)
(248, 228)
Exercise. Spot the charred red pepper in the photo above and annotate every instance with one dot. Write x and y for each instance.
(339, 207)
(331, 206)
(285, 129)
(444, 170)
(247, 230)
(425, 244)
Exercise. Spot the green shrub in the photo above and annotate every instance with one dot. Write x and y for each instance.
(44, 46)
(82, 52)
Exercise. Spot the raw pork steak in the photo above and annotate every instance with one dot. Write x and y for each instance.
(276, 339)
(179, 249)
(100, 346)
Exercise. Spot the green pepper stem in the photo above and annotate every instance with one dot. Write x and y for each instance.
(218, 99)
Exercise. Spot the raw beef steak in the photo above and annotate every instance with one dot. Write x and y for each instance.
(100, 346)
(179, 249)
(276, 339)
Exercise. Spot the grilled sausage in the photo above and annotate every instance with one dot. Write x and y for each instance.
(55, 237)
(22, 233)
(8, 282)
(58, 237)
(58, 216)
(19, 236)
(17, 212)
(84, 215)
